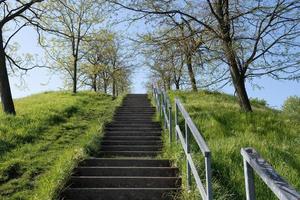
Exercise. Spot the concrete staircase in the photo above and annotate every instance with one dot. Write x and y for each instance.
(126, 168)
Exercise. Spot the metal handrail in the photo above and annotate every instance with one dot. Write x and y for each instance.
(253, 161)
(164, 107)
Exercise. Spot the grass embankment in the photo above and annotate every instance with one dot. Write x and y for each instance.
(275, 135)
(51, 133)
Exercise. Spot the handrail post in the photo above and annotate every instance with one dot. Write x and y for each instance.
(176, 120)
(156, 99)
(188, 167)
(249, 181)
(153, 90)
(208, 176)
(164, 109)
(170, 122)
(160, 106)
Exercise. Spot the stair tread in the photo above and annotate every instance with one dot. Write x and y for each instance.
(115, 167)
(125, 177)
(121, 188)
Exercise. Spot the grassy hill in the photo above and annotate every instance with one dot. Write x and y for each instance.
(50, 134)
(226, 129)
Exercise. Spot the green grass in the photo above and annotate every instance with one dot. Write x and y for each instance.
(275, 135)
(51, 133)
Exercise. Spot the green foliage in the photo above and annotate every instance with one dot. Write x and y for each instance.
(52, 132)
(292, 105)
(259, 102)
(226, 129)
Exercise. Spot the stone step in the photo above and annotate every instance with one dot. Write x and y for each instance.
(128, 153)
(133, 138)
(134, 125)
(131, 142)
(132, 133)
(120, 193)
(125, 162)
(135, 113)
(130, 148)
(133, 121)
(142, 109)
(133, 129)
(126, 171)
(123, 182)
(136, 110)
(128, 109)
(137, 122)
(137, 118)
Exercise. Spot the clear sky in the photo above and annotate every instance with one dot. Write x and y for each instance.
(38, 80)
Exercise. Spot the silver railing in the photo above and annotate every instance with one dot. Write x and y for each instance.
(254, 162)
(164, 107)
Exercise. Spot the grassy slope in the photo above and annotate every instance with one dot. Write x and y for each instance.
(226, 130)
(50, 134)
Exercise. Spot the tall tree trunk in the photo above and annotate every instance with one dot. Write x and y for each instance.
(75, 75)
(176, 80)
(168, 83)
(5, 92)
(105, 86)
(237, 78)
(95, 82)
(114, 87)
(191, 72)
(177, 86)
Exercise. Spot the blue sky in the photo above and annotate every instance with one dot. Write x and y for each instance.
(38, 80)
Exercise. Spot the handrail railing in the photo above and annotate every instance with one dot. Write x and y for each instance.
(164, 107)
(253, 161)
(190, 128)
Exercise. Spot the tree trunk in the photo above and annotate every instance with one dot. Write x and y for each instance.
(191, 72)
(237, 78)
(105, 86)
(168, 84)
(75, 75)
(177, 85)
(95, 82)
(113, 87)
(243, 96)
(5, 92)
(176, 80)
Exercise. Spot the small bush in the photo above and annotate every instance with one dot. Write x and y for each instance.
(259, 102)
(292, 105)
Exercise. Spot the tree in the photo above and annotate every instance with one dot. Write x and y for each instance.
(106, 64)
(69, 23)
(165, 62)
(21, 14)
(256, 38)
(96, 59)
